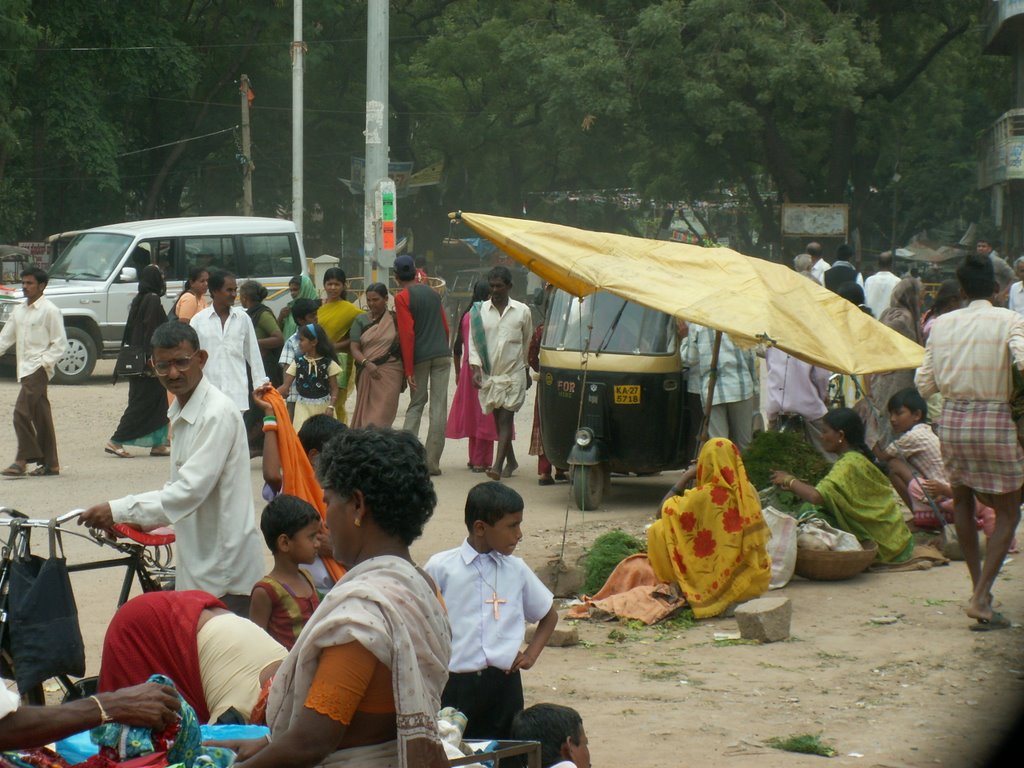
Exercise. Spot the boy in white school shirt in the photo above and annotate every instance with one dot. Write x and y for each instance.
(490, 596)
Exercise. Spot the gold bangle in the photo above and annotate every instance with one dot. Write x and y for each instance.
(789, 483)
(104, 717)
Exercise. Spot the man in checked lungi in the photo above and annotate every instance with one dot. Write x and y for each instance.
(968, 361)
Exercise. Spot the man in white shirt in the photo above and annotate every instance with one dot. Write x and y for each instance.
(208, 498)
(149, 705)
(878, 287)
(1015, 296)
(499, 364)
(227, 336)
(818, 265)
(36, 330)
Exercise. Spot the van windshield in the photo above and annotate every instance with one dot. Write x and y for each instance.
(610, 323)
(91, 256)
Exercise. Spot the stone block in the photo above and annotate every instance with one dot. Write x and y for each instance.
(765, 619)
(563, 636)
(565, 575)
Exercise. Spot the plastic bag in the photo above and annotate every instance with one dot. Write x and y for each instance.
(781, 545)
(816, 529)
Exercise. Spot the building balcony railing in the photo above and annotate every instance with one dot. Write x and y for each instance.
(1002, 23)
(1001, 150)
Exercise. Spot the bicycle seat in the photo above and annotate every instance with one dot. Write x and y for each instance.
(158, 537)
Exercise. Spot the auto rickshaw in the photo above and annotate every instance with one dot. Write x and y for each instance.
(622, 360)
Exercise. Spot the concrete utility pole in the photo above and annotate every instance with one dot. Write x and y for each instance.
(298, 62)
(247, 167)
(376, 126)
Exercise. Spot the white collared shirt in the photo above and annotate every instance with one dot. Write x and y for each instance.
(36, 331)
(1015, 298)
(230, 345)
(878, 291)
(466, 579)
(818, 270)
(208, 498)
(508, 336)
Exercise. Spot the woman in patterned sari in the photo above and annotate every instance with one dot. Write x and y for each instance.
(711, 540)
(378, 357)
(335, 316)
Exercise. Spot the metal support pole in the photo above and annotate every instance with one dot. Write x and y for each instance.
(376, 127)
(247, 167)
(710, 401)
(298, 63)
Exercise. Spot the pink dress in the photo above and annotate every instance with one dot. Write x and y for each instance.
(466, 418)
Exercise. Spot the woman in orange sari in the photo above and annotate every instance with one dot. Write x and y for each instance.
(711, 540)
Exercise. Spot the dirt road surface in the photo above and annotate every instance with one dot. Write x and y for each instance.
(881, 667)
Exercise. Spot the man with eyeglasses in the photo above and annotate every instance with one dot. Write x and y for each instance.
(208, 498)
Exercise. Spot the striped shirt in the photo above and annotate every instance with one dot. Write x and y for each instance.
(919, 447)
(737, 371)
(969, 352)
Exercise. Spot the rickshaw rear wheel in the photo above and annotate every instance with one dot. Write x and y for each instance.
(590, 482)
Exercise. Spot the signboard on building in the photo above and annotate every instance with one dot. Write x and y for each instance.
(815, 220)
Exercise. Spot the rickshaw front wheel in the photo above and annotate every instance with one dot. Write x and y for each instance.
(590, 482)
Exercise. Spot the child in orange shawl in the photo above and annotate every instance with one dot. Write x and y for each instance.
(712, 540)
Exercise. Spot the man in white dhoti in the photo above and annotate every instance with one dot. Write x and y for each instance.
(500, 332)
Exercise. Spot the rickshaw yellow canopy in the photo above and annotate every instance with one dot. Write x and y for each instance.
(753, 300)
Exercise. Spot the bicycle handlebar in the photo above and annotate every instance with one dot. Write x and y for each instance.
(22, 519)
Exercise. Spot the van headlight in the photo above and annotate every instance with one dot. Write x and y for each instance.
(584, 437)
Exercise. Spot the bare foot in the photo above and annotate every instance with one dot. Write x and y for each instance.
(510, 467)
(492, 473)
(980, 611)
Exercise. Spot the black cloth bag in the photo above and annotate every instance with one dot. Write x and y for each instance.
(45, 637)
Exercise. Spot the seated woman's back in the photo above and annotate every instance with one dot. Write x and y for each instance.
(712, 539)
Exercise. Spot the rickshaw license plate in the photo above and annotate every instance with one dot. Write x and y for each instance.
(627, 394)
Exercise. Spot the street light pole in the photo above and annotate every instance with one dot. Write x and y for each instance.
(376, 168)
(298, 62)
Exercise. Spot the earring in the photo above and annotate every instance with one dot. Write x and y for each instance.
(358, 522)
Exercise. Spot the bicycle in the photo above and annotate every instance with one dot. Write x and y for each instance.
(146, 558)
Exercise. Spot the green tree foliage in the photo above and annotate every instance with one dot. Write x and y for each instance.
(113, 110)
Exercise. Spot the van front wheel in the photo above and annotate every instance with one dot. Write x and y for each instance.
(79, 358)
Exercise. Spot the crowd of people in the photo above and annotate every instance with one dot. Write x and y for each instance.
(347, 649)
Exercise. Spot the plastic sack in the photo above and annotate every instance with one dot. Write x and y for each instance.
(781, 545)
(815, 533)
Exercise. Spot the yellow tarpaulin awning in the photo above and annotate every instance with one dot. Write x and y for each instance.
(753, 300)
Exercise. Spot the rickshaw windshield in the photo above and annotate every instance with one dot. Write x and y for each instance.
(619, 326)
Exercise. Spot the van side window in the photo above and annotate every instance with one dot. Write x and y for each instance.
(269, 256)
(210, 253)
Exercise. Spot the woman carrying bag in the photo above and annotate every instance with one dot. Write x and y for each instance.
(144, 421)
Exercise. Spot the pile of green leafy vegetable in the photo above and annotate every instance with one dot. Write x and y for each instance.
(609, 549)
(787, 451)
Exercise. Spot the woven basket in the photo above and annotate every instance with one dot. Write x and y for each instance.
(826, 565)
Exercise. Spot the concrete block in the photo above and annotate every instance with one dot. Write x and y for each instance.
(563, 636)
(765, 619)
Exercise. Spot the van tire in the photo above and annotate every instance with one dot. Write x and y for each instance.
(79, 359)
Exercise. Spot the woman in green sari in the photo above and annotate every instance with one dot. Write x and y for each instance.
(335, 316)
(855, 495)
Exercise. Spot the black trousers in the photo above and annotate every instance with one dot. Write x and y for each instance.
(489, 699)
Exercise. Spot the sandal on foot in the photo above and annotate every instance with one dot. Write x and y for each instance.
(15, 470)
(491, 474)
(116, 450)
(546, 480)
(479, 468)
(44, 471)
(509, 469)
(561, 477)
(160, 450)
(998, 621)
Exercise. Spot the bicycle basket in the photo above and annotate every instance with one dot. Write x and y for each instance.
(45, 637)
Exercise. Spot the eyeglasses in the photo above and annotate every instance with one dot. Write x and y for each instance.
(182, 364)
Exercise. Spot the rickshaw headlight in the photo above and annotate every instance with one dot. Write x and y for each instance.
(584, 437)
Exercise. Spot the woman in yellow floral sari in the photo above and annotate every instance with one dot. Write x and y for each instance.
(711, 540)
(335, 316)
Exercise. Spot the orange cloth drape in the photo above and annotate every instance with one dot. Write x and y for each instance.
(297, 475)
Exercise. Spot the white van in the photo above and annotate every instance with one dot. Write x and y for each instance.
(95, 277)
